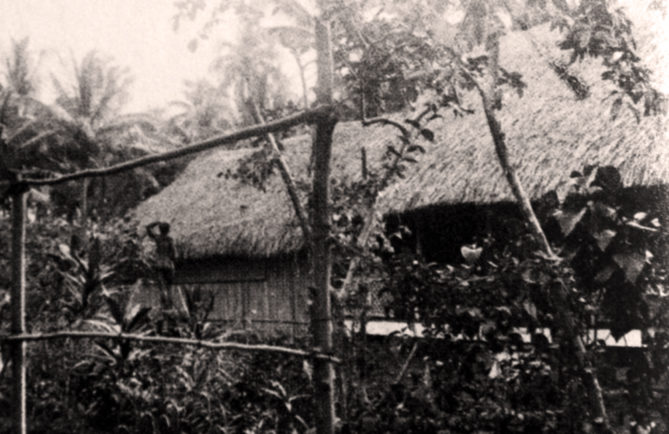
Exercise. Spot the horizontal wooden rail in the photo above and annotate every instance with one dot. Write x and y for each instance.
(168, 340)
(308, 116)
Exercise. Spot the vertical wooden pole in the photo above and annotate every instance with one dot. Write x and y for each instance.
(18, 348)
(83, 219)
(321, 318)
(294, 285)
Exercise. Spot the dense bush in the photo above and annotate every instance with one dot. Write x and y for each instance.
(484, 377)
(473, 372)
(126, 387)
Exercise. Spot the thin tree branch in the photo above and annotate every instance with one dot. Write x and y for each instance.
(307, 116)
(378, 120)
(368, 218)
(169, 340)
(559, 295)
(512, 177)
(398, 378)
(285, 174)
(405, 367)
(384, 121)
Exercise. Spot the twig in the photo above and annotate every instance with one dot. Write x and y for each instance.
(378, 120)
(169, 340)
(363, 162)
(307, 116)
(368, 218)
(399, 377)
(385, 121)
(407, 362)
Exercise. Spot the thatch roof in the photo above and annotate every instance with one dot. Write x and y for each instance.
(550, 133)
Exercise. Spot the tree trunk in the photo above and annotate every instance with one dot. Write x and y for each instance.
(321, 317)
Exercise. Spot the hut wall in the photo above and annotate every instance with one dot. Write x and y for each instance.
(268, 294)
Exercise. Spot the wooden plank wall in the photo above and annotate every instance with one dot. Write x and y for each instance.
(263, 294)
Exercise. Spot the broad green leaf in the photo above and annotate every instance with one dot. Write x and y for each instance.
(608, 177)
(530, 308)
(604, 238)
(471, 254)
(640, 216)
(414, 148)
(65, 250)
(115, 310)
(428, 134)
(568, 220)
(605, 274)
(632, 265)
(135, 317)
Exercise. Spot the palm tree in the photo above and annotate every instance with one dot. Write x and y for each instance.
(297, 38)
(21, 69)
(249, 71)
(87, 111)
(204, 112)
(21, 113)
(298, 41)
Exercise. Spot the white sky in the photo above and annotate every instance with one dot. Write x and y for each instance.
(137, 33)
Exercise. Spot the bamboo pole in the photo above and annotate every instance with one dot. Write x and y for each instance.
(321, 315)
(307, 116)
(21, 337)
(18, 303)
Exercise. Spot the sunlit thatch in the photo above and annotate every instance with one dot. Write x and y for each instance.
(550, 133)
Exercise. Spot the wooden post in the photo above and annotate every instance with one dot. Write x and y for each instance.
(83, 208)
(18, 348)
(321, 315)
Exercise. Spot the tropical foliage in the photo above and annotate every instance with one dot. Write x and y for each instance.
(507, 343)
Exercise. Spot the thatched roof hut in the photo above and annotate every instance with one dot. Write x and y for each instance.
(548, 130)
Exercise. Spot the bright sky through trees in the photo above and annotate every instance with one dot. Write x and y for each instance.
(138, 34)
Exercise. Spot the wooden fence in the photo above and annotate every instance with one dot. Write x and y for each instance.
(17, 187)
